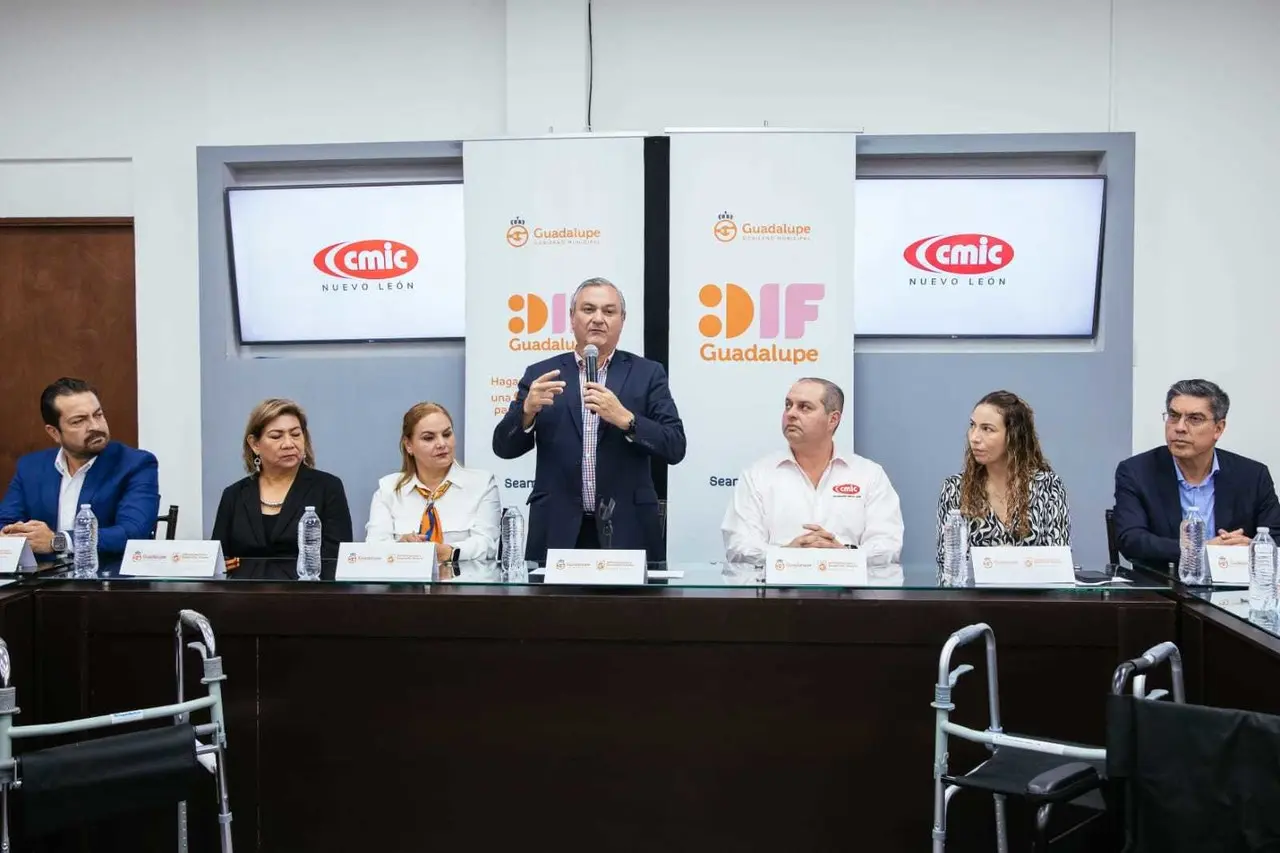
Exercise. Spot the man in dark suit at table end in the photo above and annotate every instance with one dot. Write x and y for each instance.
(594, 440)
(1154, 490)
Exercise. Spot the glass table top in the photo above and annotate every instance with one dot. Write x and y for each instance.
(1236, 603)
(672, 574)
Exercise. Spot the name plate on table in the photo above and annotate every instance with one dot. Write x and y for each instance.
(16, 555)
(386, 561)
(1032, 565)
(1229, 564)
(165, 558)
(595, 567)
(815, 567)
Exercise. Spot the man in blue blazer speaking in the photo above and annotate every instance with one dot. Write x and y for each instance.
(1154, 490)
(87, 467)
(593, 485)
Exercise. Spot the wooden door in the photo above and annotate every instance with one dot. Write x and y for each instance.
(67, 297)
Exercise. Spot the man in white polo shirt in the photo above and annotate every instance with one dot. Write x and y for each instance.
(811, 495)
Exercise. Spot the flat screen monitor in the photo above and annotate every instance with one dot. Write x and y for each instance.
(953, 257)
(351, 262)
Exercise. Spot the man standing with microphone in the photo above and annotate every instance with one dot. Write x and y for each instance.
(597, 416)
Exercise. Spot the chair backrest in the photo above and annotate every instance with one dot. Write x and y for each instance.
(1194, 778)
(1113, 543)
(170, 522)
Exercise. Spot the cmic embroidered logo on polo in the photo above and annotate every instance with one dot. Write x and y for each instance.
(776, 311)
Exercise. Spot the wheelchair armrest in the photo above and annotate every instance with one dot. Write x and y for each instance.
(1064, 782)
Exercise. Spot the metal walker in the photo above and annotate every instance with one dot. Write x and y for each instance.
(209, 752)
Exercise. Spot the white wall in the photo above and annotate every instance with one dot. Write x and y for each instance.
(149, 80)
(1198, 83)
(105, 103)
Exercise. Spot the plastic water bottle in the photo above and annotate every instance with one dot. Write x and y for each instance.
(309, 546)
(1193, 565)
(85, 544)
(1262, 577)
(512, 532)
(956, 569)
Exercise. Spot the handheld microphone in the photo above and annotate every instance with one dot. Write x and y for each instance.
(591, 355)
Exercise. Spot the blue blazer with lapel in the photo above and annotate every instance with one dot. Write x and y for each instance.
(623, 468)
(122, 487)
(1148, 510)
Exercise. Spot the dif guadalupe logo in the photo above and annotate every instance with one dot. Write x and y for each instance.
(958, 259)
(539, 323)
(521, 234)
(536, 324)
(776, 311)
(362, 265)
(726, 230)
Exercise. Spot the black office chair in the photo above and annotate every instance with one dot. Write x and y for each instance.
(1113, 541)
(1195, 778)
(170, 521)
(1192, 778)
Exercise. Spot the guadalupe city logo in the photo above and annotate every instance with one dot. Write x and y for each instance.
(726, 230)
(958, 259)
(521, 234)
(363, 266)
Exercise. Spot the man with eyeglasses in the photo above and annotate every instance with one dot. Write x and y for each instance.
(1155, 490)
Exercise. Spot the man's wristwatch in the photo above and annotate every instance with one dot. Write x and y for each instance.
(61, 542)
(631, 427)
(453, 555)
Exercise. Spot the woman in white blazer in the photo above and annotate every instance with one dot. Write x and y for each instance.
(434, 498)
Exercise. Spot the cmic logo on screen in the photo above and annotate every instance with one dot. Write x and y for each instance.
(956, 259)
(535, 325)
(360, 263)
(775, 311)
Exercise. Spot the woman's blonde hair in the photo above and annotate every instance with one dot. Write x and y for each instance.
(263, 414)
(408, 465)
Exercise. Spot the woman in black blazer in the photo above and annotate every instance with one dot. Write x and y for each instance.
(258, 516)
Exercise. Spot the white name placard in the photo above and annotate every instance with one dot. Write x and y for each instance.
(386, 561)
(815, 567)
(1229, 564)
(16, 555)
(1033, 565)
(173, 558)
(595, 567)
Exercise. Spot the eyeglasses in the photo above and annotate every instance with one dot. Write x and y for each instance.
(1192, 419)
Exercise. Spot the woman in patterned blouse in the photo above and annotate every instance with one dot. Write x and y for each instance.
(1007, 491)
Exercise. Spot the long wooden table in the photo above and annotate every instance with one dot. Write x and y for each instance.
(493, 718)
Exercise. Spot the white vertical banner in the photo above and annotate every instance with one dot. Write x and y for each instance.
(761, 295)
(542, 215)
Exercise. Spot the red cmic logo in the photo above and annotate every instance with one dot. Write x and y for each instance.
(846, 489)
(961, 254)
(370, 259)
